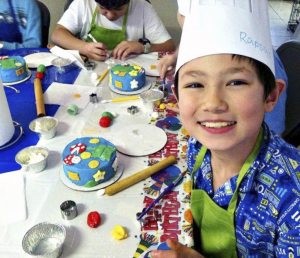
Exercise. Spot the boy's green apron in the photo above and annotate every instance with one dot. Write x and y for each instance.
(216, 225)
(109, 37)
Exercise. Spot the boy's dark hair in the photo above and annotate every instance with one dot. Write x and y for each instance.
(264, 73)
(112, 4)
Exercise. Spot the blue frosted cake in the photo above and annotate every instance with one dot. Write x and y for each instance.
(89, 161)
(13, 69)
(125, 77)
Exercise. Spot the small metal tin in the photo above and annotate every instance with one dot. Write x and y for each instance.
(152, 98)
(68, 210)
(32, 158)
(44, 240)
(45, 126)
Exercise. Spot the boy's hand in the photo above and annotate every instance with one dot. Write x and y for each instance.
(95, 51)
(167, 64)
(125, 48)
(177, 251)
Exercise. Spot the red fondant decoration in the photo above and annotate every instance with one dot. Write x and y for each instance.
(105, 121)
(39, 75)
(68, 159)
(78, 148)
(93, 219)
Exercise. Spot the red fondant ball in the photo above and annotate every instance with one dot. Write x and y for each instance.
(105, 121)
(93, 219)
(39, 75)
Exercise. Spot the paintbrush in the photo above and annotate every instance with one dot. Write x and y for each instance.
(162, 194)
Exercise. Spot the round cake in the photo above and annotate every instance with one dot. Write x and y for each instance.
(89, 161)
(126, 77)
(13, 69)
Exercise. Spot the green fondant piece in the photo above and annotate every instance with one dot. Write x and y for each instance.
(97, 151)
(8, 63)
(41, 68)
(91, 183)
(107, 153)
(110, 115)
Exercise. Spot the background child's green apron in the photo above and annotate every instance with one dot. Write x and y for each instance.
(109, 37)
(216, 225)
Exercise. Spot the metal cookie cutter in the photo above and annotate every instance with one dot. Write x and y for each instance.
(93, 98)
(90, 65)
(68, 210)
(132, 110)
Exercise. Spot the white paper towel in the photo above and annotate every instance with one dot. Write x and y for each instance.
(7, 128)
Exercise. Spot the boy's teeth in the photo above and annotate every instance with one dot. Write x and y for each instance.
(216, 124)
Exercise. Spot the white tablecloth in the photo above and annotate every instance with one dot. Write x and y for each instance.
(45, 191)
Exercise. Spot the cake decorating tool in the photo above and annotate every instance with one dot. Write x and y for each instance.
(92, 38)
(162, 194)
(102, 76)
(39, 98)
(121, 99)
(137, 177)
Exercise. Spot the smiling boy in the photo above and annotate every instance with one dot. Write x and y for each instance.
(246, 185)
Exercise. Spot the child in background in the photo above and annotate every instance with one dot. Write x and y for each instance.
(274, 119)
(123, 26)
(246, 183)
(20, 24)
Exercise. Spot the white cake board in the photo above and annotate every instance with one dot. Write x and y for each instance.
(140, 139)
(147, 86)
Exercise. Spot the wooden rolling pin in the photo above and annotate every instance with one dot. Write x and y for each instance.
(139, 176)
(39, 98)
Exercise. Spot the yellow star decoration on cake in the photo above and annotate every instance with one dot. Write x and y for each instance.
(99, 175)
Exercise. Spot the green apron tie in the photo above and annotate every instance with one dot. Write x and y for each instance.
(216, 225)
(109, 37)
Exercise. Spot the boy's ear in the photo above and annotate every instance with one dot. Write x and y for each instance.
(274, 95)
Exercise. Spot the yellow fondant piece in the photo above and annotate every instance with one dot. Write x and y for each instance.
(94, 140)
(119, 84)
(73, 176)
(77, 95)
(122, 74)
(137, 67)
(93, 163)
(20, 71)
(85, 155)
(18, 64)
(162, 106)
(119, 232)
(133, 73)
(99, 175)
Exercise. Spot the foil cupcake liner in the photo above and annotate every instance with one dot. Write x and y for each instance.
(44, 240)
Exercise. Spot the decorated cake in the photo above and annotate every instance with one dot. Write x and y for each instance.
(125, 77)
(13, 69)
(89, 161)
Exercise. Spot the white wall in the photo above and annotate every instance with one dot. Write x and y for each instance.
(166, 9)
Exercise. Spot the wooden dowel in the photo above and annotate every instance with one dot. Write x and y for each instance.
(39, 98)
(139, 176)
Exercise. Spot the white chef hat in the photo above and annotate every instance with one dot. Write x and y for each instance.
(227, 26)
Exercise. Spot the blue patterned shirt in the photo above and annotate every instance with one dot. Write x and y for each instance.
(267, 218)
